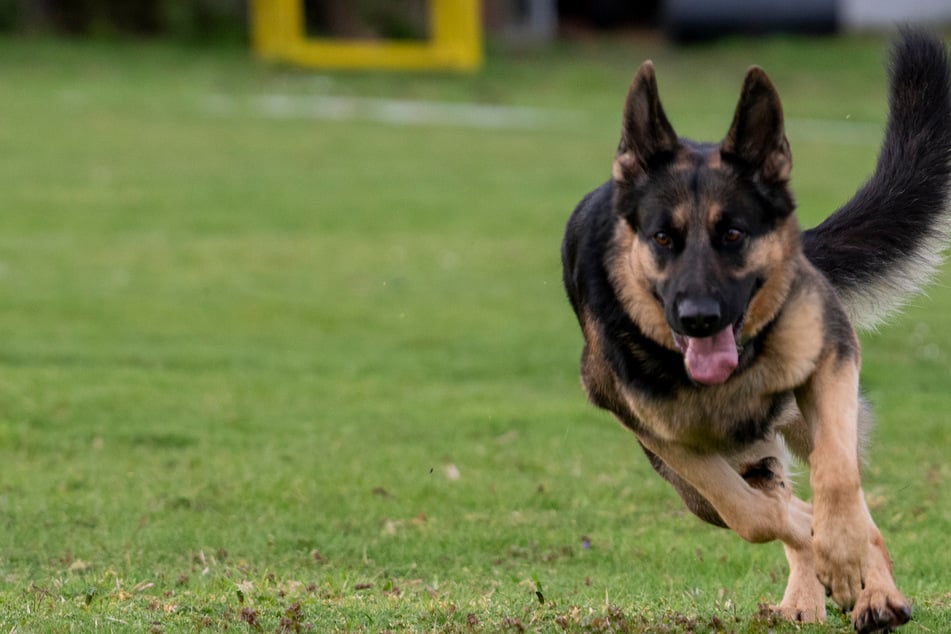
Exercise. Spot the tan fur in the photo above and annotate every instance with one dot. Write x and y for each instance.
(804, 600)
(771, 254)
(723, 438)
(623, 167)
(680, 216)
(778, 165)
(685, 160)
(596, 377)
(880, 593)
(692, 433)
(829, 403)
(846, 553)
(712, 212)
(631, 268)
(756, 515)
(705, 418)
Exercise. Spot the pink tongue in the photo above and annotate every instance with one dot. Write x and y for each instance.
(712, 359)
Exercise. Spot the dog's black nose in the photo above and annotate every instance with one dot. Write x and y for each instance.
(699, 317)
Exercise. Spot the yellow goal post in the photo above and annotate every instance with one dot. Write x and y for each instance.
(278, 32)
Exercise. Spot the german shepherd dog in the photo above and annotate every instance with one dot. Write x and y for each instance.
(722, 335)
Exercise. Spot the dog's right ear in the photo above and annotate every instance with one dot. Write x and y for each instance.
(646, 134)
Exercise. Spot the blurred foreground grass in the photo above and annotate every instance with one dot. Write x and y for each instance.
(263, 369)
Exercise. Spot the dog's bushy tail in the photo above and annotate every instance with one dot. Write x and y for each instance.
(885, 243)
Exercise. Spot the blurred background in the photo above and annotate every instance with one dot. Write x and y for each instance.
(281, 319)
(687, 19)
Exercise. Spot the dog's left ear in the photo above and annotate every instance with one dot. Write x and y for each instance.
(757, 136)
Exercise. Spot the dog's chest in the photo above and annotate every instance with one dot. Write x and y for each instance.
(726, 417)
(747, 407)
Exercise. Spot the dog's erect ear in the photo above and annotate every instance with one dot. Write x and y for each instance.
(757, 136)
(646, 133)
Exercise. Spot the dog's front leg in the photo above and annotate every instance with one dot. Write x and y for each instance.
(757, 514)
(758, 509)
(829, 404)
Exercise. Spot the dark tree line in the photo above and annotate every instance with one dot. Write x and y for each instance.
(204, 18)
(201, 19)
(186, 18)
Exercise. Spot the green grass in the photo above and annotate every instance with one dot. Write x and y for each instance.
(266, 373)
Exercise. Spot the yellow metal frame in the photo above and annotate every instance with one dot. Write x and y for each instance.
(278, 32)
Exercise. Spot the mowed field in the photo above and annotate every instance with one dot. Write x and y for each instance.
(288, 351)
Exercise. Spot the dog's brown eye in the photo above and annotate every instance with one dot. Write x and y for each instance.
(732, 236)
(662, 239)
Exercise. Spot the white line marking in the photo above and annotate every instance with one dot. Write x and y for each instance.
(836, 131)
(391, 111)
(406, 112)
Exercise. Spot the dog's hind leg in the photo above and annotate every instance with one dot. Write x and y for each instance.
(804, 599)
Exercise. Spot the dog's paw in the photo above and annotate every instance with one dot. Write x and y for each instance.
(840, 542)
(840, 562)
(804, 600)
(807, 613)
(880, 609)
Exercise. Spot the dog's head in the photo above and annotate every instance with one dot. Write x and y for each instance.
(711, 223)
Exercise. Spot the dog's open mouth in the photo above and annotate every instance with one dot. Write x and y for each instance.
(711, 360)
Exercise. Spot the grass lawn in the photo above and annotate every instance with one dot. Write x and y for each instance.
(265, 370)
